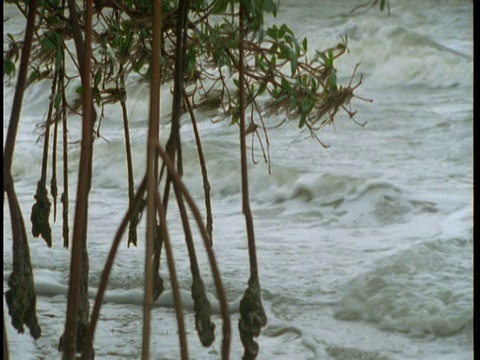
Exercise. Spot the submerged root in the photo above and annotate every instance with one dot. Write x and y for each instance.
(21, 298)
(41, 213)
(81, 337)
(158, 286)
(204, 326)
(65, 227)
(21, 301)
(252, 319)
(134, 220)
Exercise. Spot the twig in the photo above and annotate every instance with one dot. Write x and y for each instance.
(203, 168)
(132, 232)
(251, 310)
(21, 298)
(102, 286)
(152, 142)
(64, 198)
(176, 179)
(173, 278)
(53, 181)
(84, 178)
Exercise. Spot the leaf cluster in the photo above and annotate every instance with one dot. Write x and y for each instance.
(282, 75)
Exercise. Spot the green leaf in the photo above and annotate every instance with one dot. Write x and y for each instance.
(34, 75)
(273, 60)
(191, 62)
(236, 82)
(262, 65)
(305, 44)
(332, 81)
(97, 97)
(137, 66)
(281, 99)
(97, 78)
(286, 85)
(289, 39)
(330, 57)
(8, 67)
(274, 48)
(323, 56)
(306, 105)
(79, 90)
(272, 32)
(285, 30)
(48, 44)
(293, 60)
(269, 6)
(126, 43)
(314, 87)
(220, 7)
(57, 39)
(293, 101)
(58, 61)
(301, 123)
(276, 92)
(225, 61)
(284, 51)
(262, 88)
(58, 100)
(235, 119)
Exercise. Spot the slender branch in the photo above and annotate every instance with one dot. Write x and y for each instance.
(173, 144)
(203, 167)
(253, 316)
(132, 235)
(41, 209)
(243, 154)
(48, 122)
(21, 298)
(202, 308)
(19, 91)
(173, 278)
(69, 339)
(102, 286)
(177, 181)
(53, 181)
(152, 142)
(64, 198)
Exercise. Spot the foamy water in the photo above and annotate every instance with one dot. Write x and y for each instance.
(365, 248)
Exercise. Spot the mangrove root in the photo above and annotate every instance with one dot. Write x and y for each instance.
(81, 336)
(21, 298)
(40, 214)
(65, 227)
(21, 301)
(252, 319)
(158, 286)
(204, 326)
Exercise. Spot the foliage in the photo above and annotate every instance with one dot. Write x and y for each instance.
(280, 77)
(217, 54)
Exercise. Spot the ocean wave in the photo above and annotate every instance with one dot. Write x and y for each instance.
(392, 56)
(421, 291)
(48, 284)
(352, 200)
